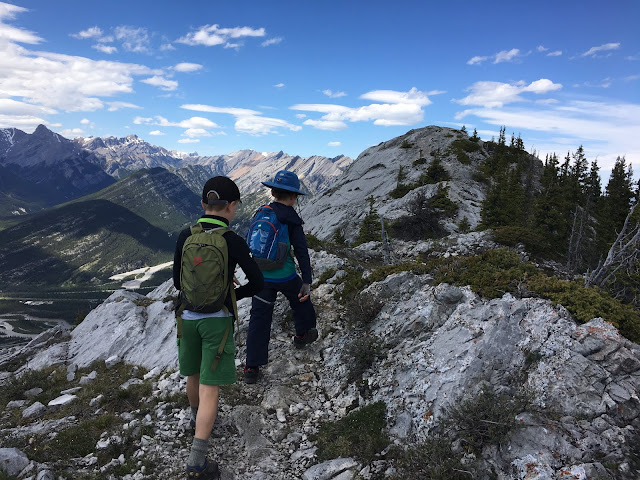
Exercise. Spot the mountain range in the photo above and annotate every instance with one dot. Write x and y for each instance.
(48, 180)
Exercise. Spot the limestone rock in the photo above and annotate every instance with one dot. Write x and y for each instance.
(12, 461)
(35, 410)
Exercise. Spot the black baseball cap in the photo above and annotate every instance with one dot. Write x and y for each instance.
(220, 191)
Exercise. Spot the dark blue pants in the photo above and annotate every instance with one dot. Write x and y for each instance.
(304, 318)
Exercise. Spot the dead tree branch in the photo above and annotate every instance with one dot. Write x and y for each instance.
(623, 254)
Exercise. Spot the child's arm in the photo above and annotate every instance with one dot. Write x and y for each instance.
(239, 251)
(301, 252)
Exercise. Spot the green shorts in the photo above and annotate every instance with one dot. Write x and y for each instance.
(198, 347)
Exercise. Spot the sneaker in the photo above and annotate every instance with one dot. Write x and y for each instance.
(251, 374)
(301, 340)
(208, 471)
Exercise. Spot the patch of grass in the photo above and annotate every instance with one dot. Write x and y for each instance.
(512, 235)
(362, 310)
(587, 303)
(434, 459)
(235, 395)
(76, 441)
(490, 274)
(401, 190)
(464, 225)
(50, 379)
(314, 242)
(363, 352)
(353, 284)
(461, 148)
(496, 272)
(486, 419)
(326, 275)
(359, 435)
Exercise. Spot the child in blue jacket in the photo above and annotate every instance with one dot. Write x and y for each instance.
(285, 189)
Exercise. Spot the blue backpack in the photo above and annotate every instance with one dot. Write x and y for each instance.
(268, 239)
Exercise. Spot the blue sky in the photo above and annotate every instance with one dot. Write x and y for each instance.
(325, 77)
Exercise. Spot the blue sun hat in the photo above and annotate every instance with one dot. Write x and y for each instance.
(285, 180)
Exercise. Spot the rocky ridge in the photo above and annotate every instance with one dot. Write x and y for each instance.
(440, 344)
(374, 174)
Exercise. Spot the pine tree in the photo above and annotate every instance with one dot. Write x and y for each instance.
(618, 197)
(370, 227)
(502, 138)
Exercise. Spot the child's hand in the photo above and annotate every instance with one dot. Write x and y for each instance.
(305, 291)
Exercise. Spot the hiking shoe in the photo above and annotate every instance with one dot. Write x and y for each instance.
(251, 374)
(208, 471)
(301, 340)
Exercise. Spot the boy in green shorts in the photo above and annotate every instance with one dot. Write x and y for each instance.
(206, 349)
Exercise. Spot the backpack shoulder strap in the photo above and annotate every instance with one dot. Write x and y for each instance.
(197, 228)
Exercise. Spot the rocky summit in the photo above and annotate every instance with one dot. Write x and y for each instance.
(509, 387)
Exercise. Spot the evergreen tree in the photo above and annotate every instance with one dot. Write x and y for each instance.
(502, 138)
(475, 136)
(370, 227)
(618, 197)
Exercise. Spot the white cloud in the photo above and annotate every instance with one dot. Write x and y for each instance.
(300, 115)
(271, 41)
(497, 94)
(196, 132)
(247, 121)
(397, 108)
(502, 56)
(334, 144)
(476, 60)
(541, 48)
(413, 96)
(605, 128)
(555, 53)
(12, 34)
(186, 67)
(506, 56)
(71, 83)
(93, 32)
(114, 106)
(133, 39)
(13, 107)
(258, 125)
(165, 47)
(602, 48)
(279, 85)
(143, 120)
(85, 121)
(211, 109)
(547, 101)
(108, 49)
(332, 94)
(22, 115)
(331, 125)
(72, 132)
(212, 35)
(189, 140)
(193, 122)
(156, 133)
(161, 82)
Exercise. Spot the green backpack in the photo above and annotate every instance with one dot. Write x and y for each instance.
(204, 275)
